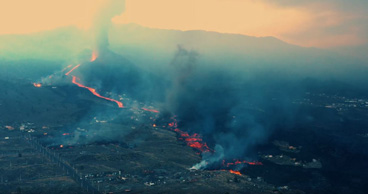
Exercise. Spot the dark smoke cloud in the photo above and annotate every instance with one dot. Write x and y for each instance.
(234, 113)
(234, 104)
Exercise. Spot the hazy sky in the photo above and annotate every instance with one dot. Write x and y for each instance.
(303, 22)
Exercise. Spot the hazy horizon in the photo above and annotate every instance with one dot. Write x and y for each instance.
(203, 96)
(306, 23)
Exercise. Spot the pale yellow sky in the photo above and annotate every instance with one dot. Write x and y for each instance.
(302, 25)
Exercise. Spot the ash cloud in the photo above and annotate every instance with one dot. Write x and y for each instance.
(102, 22)
(110, 72)
(233, 112)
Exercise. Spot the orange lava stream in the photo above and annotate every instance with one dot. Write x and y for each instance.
(235, 172)
(93, 91)
(194, 141)
(94, 56)
(37, 85)
(69, 66)
(151, 110)
(72, 69)
(236, 162)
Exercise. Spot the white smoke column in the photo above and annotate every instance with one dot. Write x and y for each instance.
(102, 23)
(210, 158)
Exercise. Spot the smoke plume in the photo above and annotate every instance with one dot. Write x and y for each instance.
(103, 22)
(234, 113)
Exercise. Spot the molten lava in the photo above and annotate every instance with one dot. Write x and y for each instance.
(93, 91)
(237, 162)
(194, 141)
(151, 110)
(94, 56)
(72, 69)
(235, 172)
(37, 85)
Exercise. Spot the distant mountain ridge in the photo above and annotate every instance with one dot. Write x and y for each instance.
(67, 40)
(154, 49)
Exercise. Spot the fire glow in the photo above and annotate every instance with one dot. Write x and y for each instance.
(194, 141)
(37, 85)
(151, 110)
(72, 70)
(237, 162)
(235, 172)
(94, 56)
(93, 91)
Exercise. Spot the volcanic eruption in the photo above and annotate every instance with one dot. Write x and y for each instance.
(106, 71)
(207, 125)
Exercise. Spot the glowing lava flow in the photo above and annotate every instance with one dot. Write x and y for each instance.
(237, 162)
(194, 141)
(37, 85)
(235, 172)
(72, 69)
(93, 91)
(94, 56)
(151, 110)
